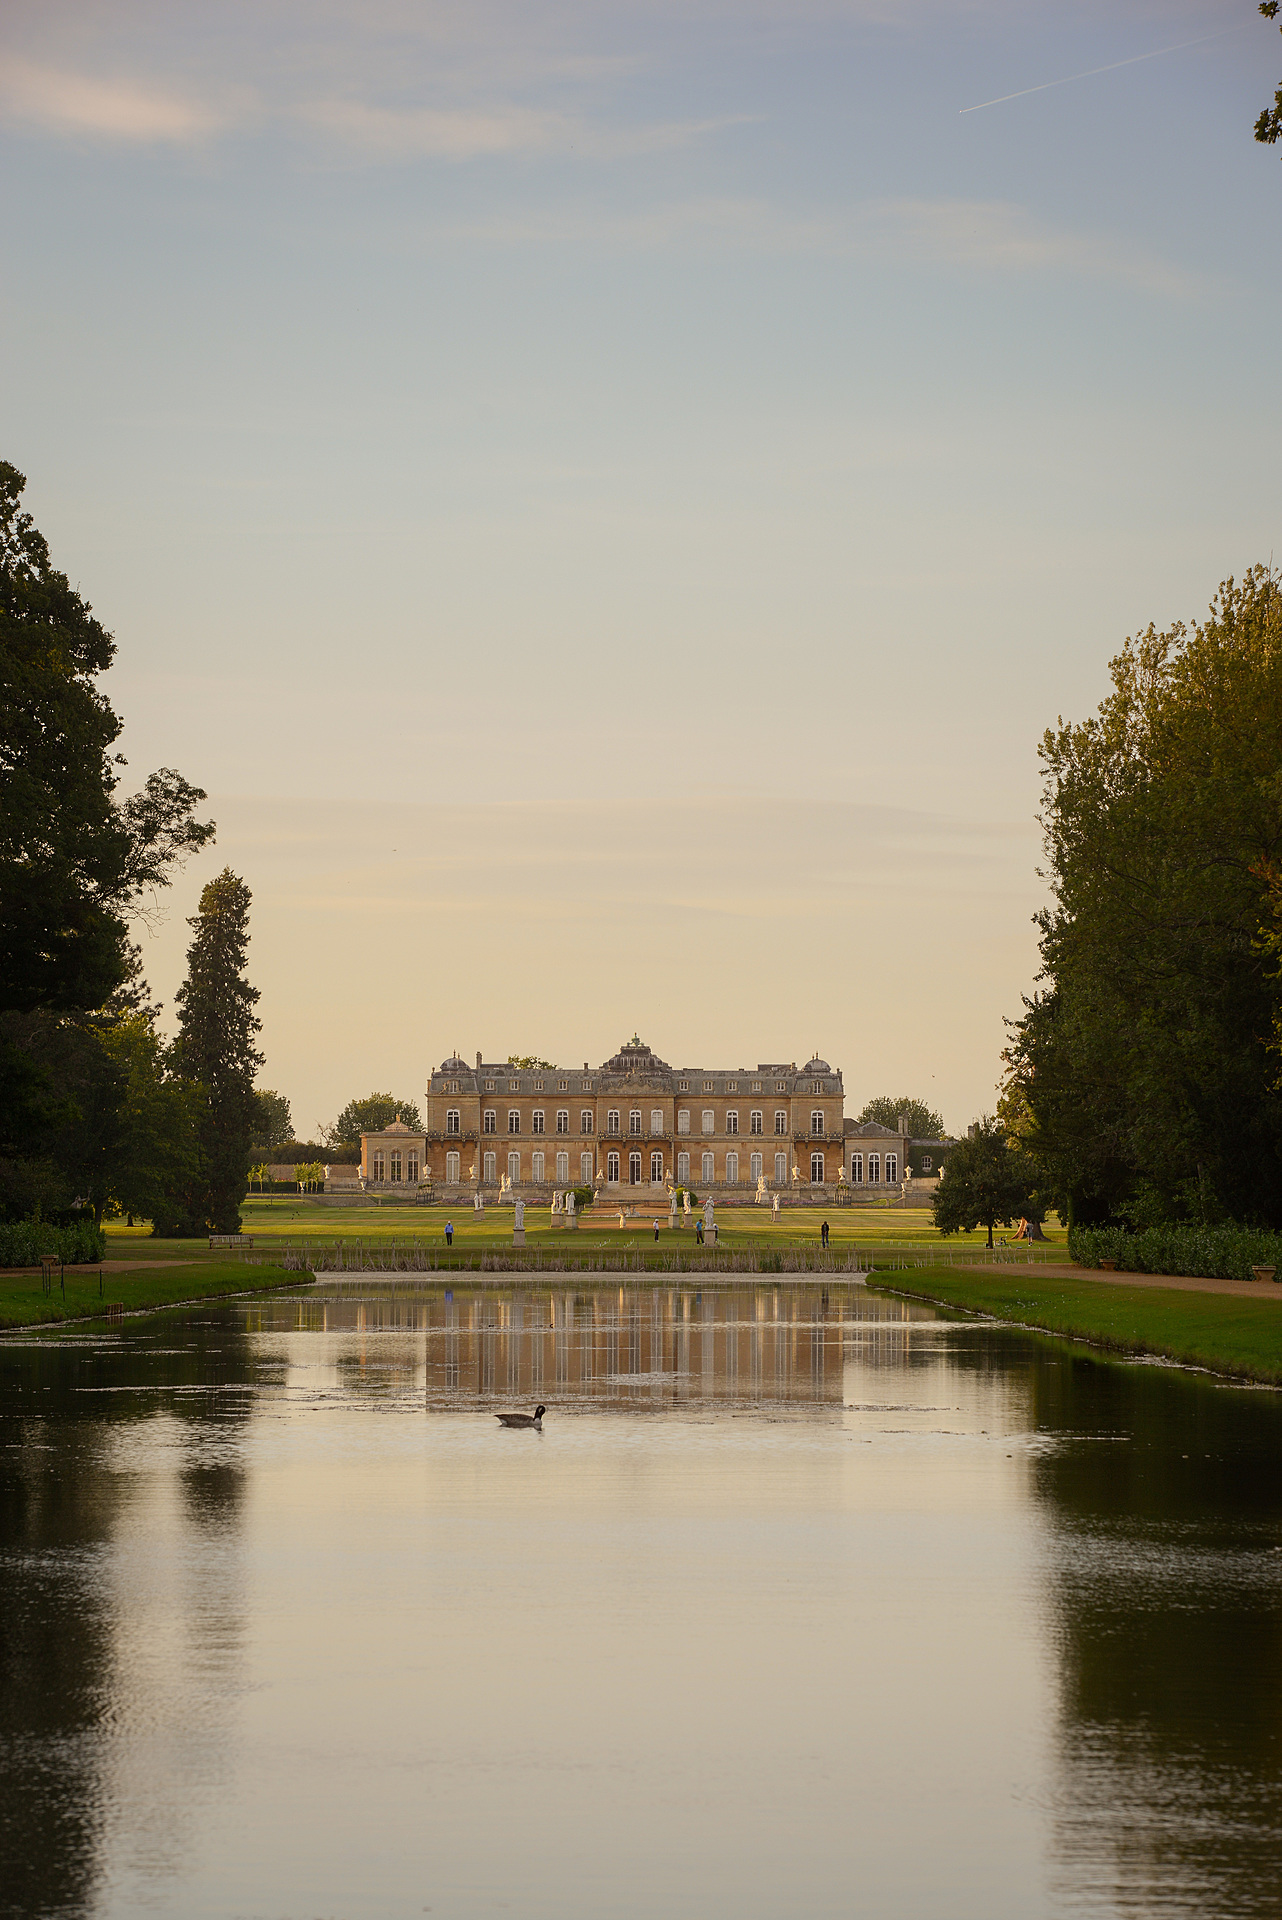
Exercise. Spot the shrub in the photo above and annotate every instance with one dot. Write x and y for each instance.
(25, 1242)
(1213, 1253)
(583, 1198)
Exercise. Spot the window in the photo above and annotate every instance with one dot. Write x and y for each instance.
(754, 1167)
(707, 1169)
(563, 1169)
(754, 1123)
(585, 1169)
(892, 1166)
(732, 1086)
(612, 1168)
(683, 1169)
(634, 1120)
(656, 1120)
(538, 1086)
(489, 1169)
(489, 1086)
(656, 1169)
(514, 1119)
(732, 1121)
(536, 1169)
(585, 1120)
(490, 1121)
(756, 1086)
(514, 1168)
(514, 1086)
(396, 1166)
(707, 1086)
(563, 1119)
(612, 1120)
(781, 1169)
(586, 1087)
(816, 1169)
(683, 1086)
(927, 1164)
(874, 1169)
(634, 1169)
(856, 1169)
(451, 1169)
(683, 1120)
(781, 1086)
(452, 1121)
(781, 1120)
(563, 1086)
(709, 1119)
(817, 1120)
(411, 1167)
(732, 1169)
(378, 1166)
(538, 1121)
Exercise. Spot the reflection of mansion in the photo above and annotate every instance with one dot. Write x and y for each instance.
(636, 1126)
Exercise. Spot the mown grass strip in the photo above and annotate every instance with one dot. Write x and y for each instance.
(1223, 1332)
(77, 1295)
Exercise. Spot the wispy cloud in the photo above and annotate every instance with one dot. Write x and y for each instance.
(121, 109)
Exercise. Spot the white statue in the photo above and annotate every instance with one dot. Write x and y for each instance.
(685, 1202)
(707, 1213)
(519, 1222)
(761, 1189)
(672, 1204)
(478, 1201)
(796, 1174)
(558, 1201)
(775, 1205)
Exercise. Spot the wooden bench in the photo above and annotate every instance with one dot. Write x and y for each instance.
(231, 1239)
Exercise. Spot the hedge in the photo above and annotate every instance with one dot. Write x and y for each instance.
(24, 1243)
(1213, 1253)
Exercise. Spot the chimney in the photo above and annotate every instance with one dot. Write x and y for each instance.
(585, 1066)
(903, 1123)
(478, 1060)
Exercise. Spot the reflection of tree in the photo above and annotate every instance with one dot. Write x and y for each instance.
(88, 1650)
(1165, 1594)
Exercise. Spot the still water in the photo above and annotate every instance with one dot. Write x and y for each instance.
(803, 1603)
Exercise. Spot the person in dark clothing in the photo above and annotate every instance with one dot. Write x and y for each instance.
(698, 1232)
(449, 1233)
(823, 1233)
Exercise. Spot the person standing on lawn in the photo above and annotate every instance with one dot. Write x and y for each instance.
(449, 1233)
(823, 1233)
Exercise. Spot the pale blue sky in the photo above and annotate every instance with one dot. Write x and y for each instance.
(683, 418)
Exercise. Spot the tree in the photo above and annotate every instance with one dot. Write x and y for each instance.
(371, 1115)
(1268, 128)
(531, 1062)
(272, 1123)
(215, 1046)
(145, 1145)
(923, 1122)
(985, 1180)
(73, 859)
(1142, 1065)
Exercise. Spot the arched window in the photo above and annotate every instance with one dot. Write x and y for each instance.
(452, 1121)
(817, 1120)
(732, 1169)
(514, 1119)
(754, 1166)
(612, 1120)
(874, 1169)
(656, 1168)
(612, 1168)
(396, 1166)
(536, 1169)
(856, 1169)
(514, 1168)
(892, 1167)
(562, 1169)
(634, 1169)
(451, 1169)
(816, 1169)
(489, 1169)
(538, 1120)
(707, 1169)
(683, 1169)
(490, 1122)
(781, 1169)
(634, 1120)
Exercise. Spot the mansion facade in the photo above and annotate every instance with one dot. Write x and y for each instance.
(634, 1126)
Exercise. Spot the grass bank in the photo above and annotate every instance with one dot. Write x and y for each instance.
(1224, 1332)
(82, 1294)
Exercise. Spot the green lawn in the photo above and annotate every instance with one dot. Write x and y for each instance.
(1225, 1332)
(296, 1221)
(24, 1303)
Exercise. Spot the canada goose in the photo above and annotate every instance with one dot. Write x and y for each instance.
(534, 1419)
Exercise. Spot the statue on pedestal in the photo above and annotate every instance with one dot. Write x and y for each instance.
(776, 1205)
(761, 1189)
(686, 1204)
(571, 1210)
(518, 1228)
(478, 1201)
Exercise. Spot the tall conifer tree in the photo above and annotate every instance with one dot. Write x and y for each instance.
(215, 1045)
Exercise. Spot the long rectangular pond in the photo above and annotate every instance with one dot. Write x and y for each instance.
(803, 1602)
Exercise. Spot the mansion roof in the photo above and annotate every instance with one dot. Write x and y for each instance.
(635, 1065)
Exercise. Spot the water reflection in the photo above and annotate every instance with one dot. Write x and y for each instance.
(804, 1600)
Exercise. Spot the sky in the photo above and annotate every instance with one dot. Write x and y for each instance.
(607, 498)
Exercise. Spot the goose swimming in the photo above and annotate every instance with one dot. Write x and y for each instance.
(534, 1419)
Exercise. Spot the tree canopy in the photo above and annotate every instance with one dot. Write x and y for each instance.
(371, 1115)
(985, 1180)
(531, 1062)
(923, 1122)
(273, 1125)
(1142, 1074)
(1268, 128)
(215, 1046)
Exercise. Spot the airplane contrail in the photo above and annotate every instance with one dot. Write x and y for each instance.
(1111, 68)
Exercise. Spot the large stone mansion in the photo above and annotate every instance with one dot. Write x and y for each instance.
(635, 1126)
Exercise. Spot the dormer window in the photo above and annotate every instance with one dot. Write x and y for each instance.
(538, 1086)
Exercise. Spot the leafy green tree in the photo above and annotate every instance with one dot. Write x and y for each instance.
(531, 1062)
(985, 1180)
(923, 1122)
(1142, 1067)
(215, 1047)
(272, 1123)
(310, 1174)
(146, 1144)
(371, 1115)
(1268, 128)
(73, 858)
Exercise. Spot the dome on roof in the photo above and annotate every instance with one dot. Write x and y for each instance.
(454, 1065)
(817, 1066)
